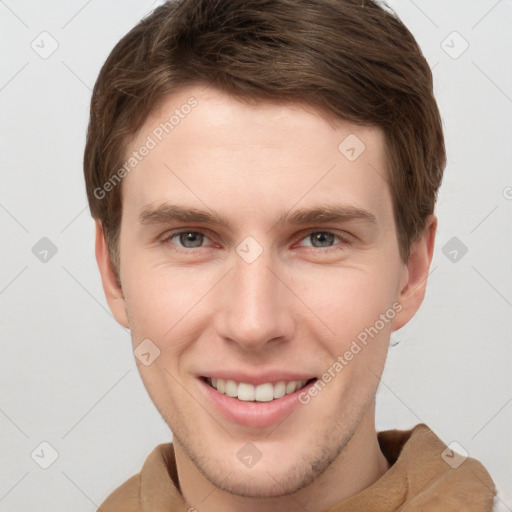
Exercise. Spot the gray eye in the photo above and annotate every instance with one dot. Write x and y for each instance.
(190, 239)
(323, 238)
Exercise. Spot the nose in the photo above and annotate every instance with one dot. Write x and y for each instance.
(255, 306)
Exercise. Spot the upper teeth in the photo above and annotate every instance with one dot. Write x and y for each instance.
(261, 393)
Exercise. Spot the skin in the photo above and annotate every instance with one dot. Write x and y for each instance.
(298, 306)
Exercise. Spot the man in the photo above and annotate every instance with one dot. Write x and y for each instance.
(263, 175)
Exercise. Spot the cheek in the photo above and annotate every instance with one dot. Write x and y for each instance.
(349, 300)
(164, 304)
(359, 306)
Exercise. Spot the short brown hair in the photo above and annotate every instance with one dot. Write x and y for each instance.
(353, 59)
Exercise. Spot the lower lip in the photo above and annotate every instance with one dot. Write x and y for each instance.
(254, 414)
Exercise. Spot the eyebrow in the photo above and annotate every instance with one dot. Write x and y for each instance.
(166, 213)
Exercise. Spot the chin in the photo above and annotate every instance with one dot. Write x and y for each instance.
(284, 467)
(265, 482)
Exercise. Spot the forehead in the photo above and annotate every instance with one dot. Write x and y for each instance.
(209, 108)
(204, 145)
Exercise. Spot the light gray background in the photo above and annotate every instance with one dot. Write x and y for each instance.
(67, 372)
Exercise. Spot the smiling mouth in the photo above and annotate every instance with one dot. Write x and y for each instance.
(266, 392)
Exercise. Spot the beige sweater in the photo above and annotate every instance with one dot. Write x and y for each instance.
(419, 479)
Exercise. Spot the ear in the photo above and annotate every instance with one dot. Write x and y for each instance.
(112, 289)
(416, 274)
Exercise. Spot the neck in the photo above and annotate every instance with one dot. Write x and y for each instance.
(358, 466)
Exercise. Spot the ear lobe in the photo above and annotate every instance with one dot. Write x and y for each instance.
(112, 289)
(413, 292)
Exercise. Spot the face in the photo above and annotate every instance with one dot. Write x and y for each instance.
(260, 257)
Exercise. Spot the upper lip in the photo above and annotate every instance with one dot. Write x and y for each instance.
(259, 378)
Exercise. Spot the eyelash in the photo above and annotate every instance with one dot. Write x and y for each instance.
(169, 236)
